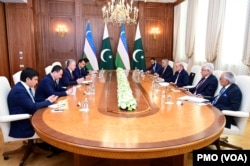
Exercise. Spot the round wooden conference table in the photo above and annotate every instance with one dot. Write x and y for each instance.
(156, 133)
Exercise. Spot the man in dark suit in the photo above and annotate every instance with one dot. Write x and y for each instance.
(154, 68)
(166, 72)
(20, 101)
(208, 84)
(49, 85)
(68, 77)
(180, 78)
(81, 71)
(229, 98)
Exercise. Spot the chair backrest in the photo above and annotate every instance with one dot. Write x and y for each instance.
(185, 65)
(48, 69)
(4, 89)
(16, 77)
(243, 82)
(217, 74)
(56, 63)
(171, 64)
(197, 70)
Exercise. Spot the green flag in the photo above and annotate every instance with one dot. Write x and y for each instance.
(106, 57)
(122, 58)
(138, 58)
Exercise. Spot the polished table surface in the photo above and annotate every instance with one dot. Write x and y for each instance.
(155, 129)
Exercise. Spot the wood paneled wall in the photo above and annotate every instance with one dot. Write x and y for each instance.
(4, 67)
(31, 29)
(20, 32)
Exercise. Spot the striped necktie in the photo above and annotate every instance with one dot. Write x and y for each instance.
(218, 96)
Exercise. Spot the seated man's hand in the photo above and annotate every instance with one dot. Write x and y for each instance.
(52, 98)
(69, 91)
(79, 80)
(199, 95)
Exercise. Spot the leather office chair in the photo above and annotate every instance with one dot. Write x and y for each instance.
(185, 65)
(196, 69)
(5, 120)
(171, 64)
(16, 77)
(48, 69)
(241, 116)
(56, 63)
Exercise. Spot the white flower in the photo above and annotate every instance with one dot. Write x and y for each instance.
(125, 96)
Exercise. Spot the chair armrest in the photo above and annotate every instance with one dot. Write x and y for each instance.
(10, 118)
(240, 114)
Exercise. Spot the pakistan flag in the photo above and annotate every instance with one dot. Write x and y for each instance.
(138, 57)
(106, 57)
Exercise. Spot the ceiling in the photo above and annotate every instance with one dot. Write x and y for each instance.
(25, 1)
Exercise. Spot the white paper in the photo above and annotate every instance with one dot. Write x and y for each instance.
(193, 99)
(163, 83)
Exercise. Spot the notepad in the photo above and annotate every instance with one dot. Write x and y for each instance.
(163, 83)
(192, 99)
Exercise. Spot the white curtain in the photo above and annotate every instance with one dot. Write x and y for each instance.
(246, 52)
(180, 15)
(216, 12)
(231, 45)
(191, 27)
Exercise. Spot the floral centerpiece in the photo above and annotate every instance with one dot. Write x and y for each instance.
(126, 100)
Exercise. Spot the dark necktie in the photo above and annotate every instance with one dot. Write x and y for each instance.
(31, 95)
(199, 84)
(72, 75)
(163, 71)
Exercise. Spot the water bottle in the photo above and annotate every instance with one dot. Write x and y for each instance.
(85, 105)
(163, 94)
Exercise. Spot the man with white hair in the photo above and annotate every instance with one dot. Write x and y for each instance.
(229, 97)
(208, 84)
(68, 77)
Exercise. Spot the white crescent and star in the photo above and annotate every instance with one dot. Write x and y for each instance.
(102, 53)
(134, 54)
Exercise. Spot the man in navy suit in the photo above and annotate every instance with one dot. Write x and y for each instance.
(21, 101)
(68, 77)
(49, 85)
(81, 71)
(208, 84)
(154, 68)
(229, 97)
(180, 78)
(166, 72)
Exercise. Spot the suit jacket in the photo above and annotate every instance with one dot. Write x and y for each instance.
(47, 87)
(19, 102)
(67, 79)
(207, 88)
(157, 68)
(183, 78)
(80, 72)
(229, 100)
(168, 73)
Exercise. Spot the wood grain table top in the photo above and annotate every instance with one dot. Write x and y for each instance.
(155, 129)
